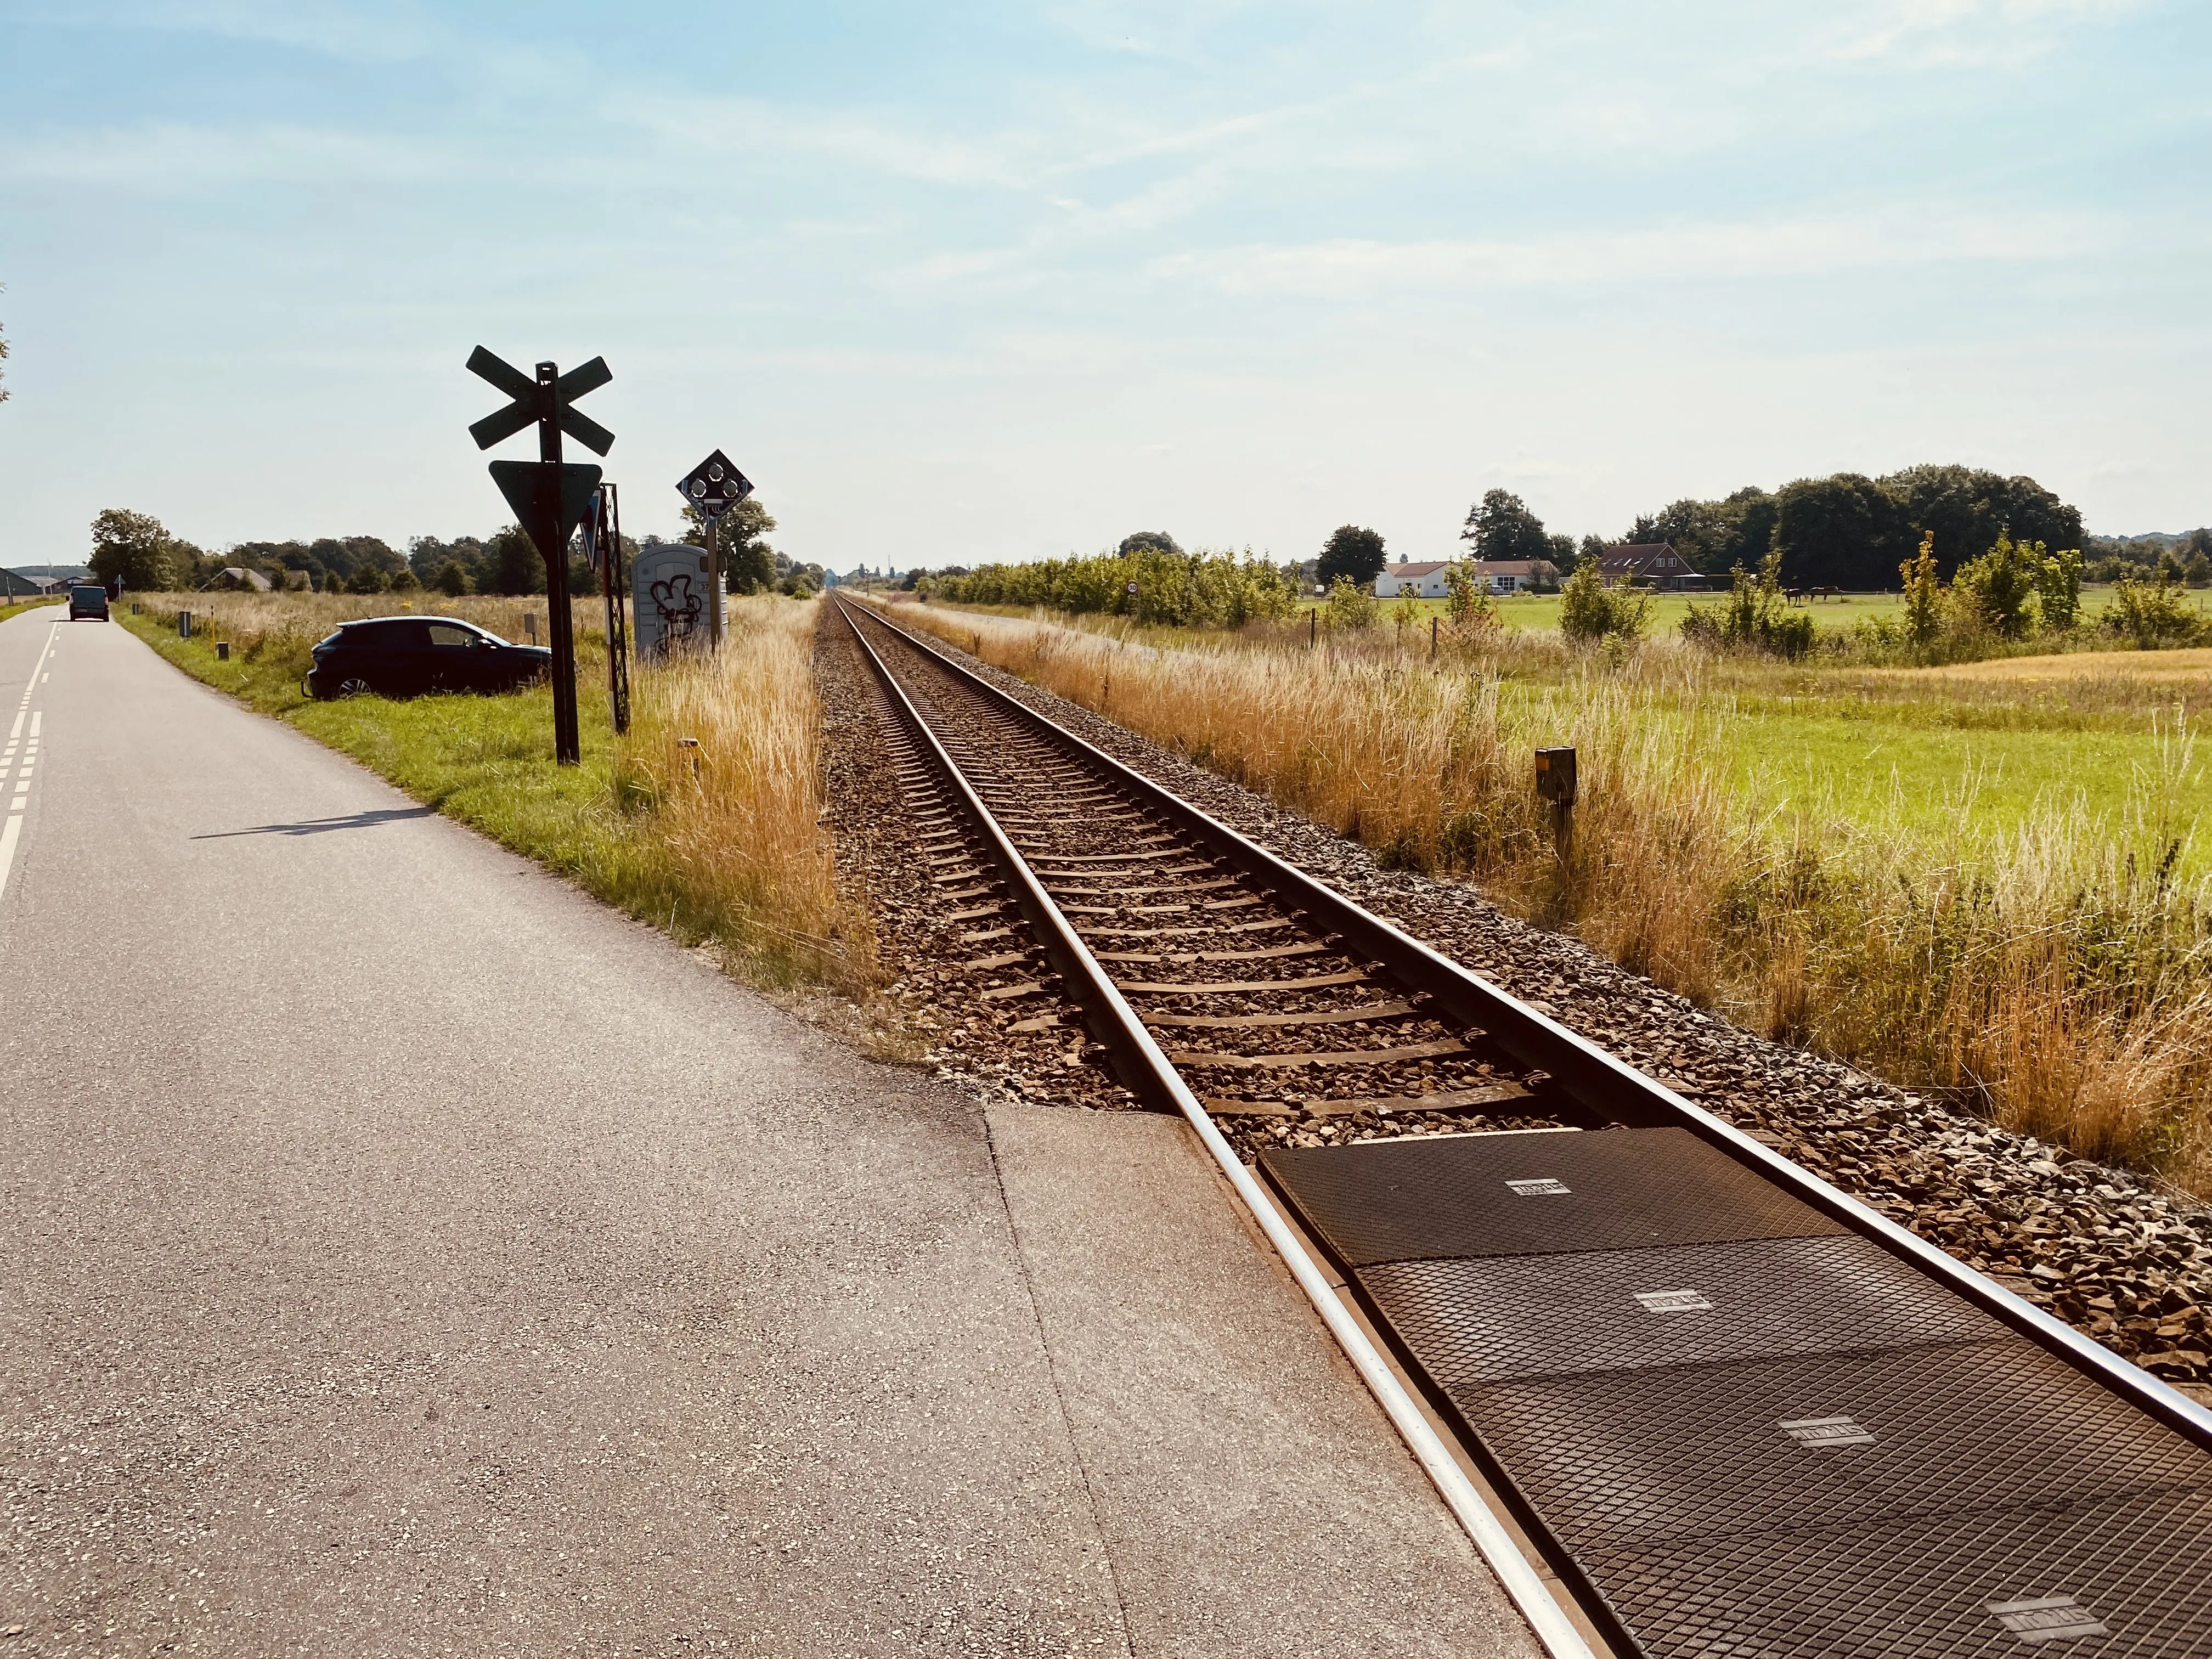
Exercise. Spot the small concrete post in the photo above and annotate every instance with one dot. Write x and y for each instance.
(222, 650)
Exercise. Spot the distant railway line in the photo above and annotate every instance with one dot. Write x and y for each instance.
(1736, 1411)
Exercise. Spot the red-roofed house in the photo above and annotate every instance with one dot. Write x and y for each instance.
(1649, 564)
(1426, 580)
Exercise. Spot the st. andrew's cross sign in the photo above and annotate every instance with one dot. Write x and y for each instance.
(548, 497)
(713, 487)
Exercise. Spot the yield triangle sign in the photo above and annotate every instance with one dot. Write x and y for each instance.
(548, 499)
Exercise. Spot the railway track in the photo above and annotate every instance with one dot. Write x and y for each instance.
(1735, 1410)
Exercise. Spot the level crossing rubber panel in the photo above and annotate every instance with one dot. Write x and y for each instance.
(1510, 1194)
(1478, 1319)
(2125, 1578)
(1820, 1440)
(1743, 1431)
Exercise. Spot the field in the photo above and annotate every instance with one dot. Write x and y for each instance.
(1537, 613)
(21, 606)
(1985, 880)
(725, 851)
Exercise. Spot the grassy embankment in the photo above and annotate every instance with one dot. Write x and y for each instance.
(21, 606)
(1983, 880)
(730, 856)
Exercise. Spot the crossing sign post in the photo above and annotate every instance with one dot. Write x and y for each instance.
(715, 486)
(548, 497)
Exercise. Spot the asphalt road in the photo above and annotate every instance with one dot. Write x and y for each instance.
(407, 1254)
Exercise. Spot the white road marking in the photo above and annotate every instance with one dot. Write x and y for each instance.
(35, 718)
(16, 730)
(9, 831)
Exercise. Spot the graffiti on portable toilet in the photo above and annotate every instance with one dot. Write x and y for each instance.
(668, 589)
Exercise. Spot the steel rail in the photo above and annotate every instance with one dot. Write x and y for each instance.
(1598, 1079)
(1081, 971)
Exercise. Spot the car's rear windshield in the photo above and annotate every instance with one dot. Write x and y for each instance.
(99, 594)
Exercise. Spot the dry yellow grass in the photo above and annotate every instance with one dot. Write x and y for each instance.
(2057, 974)
(2189, 667)
(722, 762)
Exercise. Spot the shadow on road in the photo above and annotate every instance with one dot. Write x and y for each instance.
(324, 826)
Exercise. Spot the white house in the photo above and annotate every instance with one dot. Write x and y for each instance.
(1515, 575)
(1425, 580)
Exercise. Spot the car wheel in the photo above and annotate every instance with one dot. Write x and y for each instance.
(356, 687)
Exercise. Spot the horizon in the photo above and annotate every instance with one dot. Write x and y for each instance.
(1011, 285)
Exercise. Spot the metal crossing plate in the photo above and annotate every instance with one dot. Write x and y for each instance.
(2121, 1578)
(1485, 1319)
(1412, 1199)
(1614, 1458)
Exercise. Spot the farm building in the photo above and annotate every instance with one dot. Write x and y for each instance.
(1516, 575)
(1425, 580)
(1649, 564)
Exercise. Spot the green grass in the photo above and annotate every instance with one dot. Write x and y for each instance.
(21, 606)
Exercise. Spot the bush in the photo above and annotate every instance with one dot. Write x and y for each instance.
(1592, 609)
(1349, 606)
(1756, 617)
(1467, 608)
(2152, 616)
(2001, 588)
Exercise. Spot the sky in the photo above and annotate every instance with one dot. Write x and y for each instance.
(972, 281)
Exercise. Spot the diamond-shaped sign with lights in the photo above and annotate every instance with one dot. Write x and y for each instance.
(715, 485)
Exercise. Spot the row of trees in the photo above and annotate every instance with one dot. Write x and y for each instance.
(1844, 531)
(1852, 531)
(1154, 583)
(136, 550)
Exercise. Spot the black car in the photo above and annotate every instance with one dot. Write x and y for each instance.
(405, 656)
(87, 599)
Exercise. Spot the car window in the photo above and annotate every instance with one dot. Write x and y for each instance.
(387, 635)
(444, 634)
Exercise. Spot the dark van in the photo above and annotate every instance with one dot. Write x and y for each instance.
(88, 599)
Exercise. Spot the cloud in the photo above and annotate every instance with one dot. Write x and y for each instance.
(384, 33)
(1774, 248)
(171, 155)
(1952, 33)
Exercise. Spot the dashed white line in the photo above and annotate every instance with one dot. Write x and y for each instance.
(8, 832)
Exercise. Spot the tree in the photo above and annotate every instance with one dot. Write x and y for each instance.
(454, 582)
(134, 550)
(748, 562)
(1351, 553)
(2059, 589)
(1924, 595)
(1969, 509)
(1501, 526)
(1840, 531)
(2001, 586)
(1157, 540)
(511, 564)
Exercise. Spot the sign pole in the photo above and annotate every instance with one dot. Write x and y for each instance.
(567, 746)
(548, 497)
(714, 581)
(713, 487)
